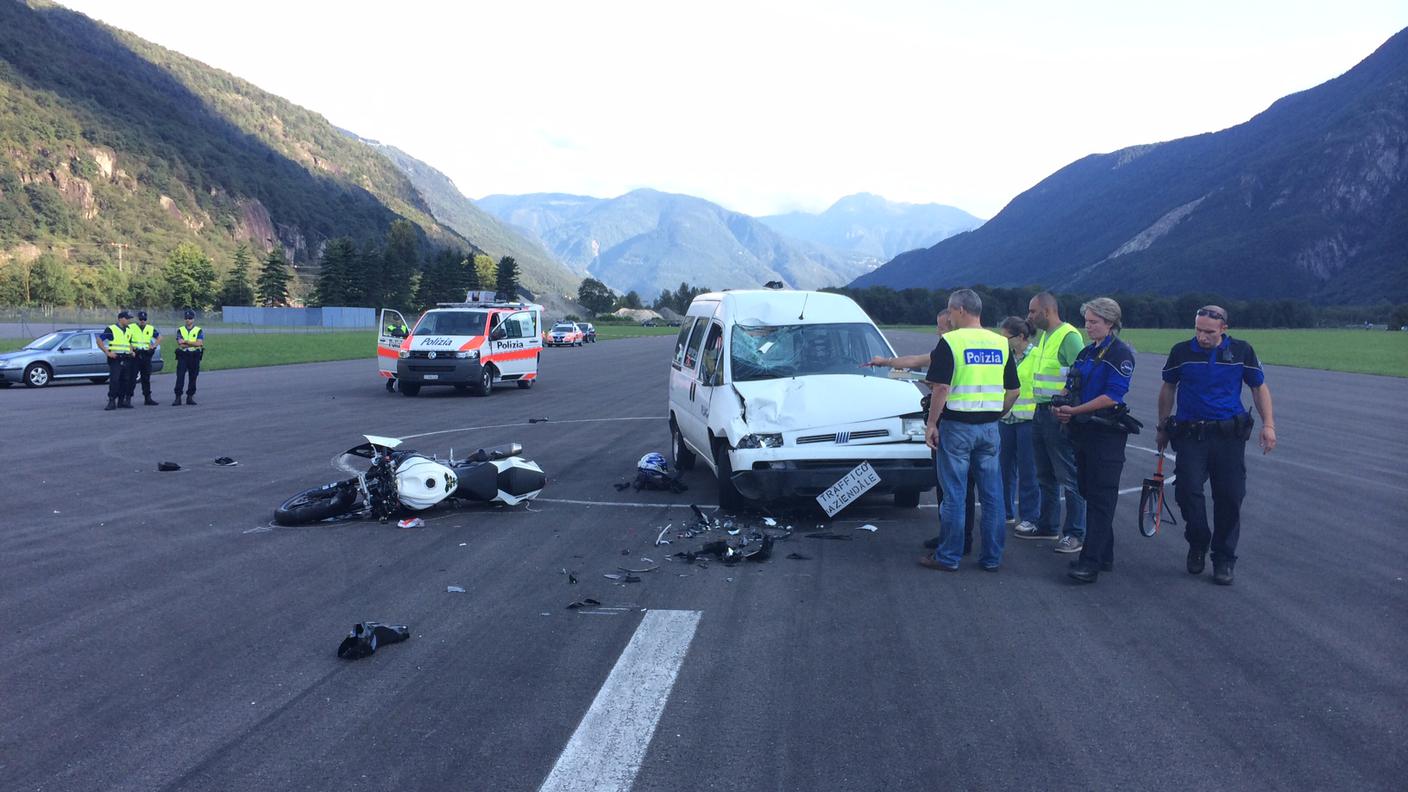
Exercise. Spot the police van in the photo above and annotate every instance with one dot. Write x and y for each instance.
(470, 345)
(770, 389)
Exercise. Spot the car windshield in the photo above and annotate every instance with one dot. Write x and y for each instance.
(46, 342)
(761, 352)
(456, 323)
(583, 327)
(563, 328)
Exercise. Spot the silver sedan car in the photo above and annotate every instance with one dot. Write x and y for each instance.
(63, 354)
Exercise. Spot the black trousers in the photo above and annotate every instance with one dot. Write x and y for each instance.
(1221, 459)
(119, 374)
(187, 364)
(141, 372)
(969, 505)
(1099, 463)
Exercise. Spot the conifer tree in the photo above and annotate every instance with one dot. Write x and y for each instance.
(506, 282)
(236, 289)
(272, 287)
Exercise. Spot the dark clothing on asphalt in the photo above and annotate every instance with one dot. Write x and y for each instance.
(941, 373)
(1099, 463)
(1210, 380)
(1221, 460)
(120, 372)
(187, 365)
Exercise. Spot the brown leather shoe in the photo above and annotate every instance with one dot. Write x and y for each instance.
(929, 562)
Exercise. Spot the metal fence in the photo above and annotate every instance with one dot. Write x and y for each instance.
(33, 322)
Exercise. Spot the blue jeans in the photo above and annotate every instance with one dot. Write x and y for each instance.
(1056, 472)
(1019, 487)
(962, 446)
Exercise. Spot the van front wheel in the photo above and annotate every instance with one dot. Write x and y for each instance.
(730, 499)
(683, 457)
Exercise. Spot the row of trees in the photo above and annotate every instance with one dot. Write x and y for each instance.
(389, 274)
(920, 306)
(598, 298)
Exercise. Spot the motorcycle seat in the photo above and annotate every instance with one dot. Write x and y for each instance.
(497, 452)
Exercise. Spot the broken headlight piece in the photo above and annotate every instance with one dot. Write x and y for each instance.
(761, 441)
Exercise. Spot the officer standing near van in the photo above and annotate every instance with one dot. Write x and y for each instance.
(1209, 433)
(190, 348)
(146, 339)
(1056, 349)
(117, 345)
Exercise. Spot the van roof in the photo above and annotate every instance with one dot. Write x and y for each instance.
(486, 307)
(783, 307)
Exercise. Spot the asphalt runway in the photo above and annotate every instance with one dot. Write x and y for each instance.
(161, 636)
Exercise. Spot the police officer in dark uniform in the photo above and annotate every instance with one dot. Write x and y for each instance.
(1209, 433)
(398, 329)
(146, 339)
(117, 345)
(190, 348)
(1093, 410)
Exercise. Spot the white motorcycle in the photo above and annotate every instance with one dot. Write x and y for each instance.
(399, 481)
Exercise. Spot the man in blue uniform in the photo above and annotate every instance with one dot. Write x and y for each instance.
(1093, 411)
(117, 345)
(190, 348)
(1209, 432)
(146, 339)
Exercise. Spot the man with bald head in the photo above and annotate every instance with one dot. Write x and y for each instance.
(1056, 347)
(1209, 432)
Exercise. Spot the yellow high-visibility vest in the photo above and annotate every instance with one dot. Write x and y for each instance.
(1048, 375)
(979, 358)
(121, 343)
(189, 336)
(141, 337)
(1024, 409)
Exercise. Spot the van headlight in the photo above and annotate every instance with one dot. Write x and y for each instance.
(403, 354)
(467, 355)
(913, 428)
(761, 441)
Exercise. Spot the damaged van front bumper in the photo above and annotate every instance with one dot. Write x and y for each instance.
(771, 473)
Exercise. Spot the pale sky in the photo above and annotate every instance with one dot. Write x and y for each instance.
(763, 106)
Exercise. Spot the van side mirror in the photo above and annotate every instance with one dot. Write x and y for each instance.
(498, 333)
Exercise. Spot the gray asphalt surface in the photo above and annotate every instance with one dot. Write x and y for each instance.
(160, 636)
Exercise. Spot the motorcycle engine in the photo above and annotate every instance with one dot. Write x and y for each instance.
(422, 482)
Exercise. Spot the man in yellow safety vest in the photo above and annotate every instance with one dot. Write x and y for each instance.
(1057, 346)
(117, 345)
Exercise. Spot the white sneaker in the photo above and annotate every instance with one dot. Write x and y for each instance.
(1069, 544)
(1026, 527)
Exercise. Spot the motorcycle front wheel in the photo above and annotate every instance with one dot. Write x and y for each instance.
(318, 503)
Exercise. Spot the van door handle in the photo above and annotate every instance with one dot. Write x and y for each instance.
(691, 390)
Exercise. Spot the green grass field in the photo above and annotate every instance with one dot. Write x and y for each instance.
(1358, 351)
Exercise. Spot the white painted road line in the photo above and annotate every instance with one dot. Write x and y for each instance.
(521, 424)
(606, 751)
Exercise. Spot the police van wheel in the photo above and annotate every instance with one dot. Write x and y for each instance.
(37, 375)
(486, 382)
(730, 499)
(683, 457)
(907, 499)
(408, 389)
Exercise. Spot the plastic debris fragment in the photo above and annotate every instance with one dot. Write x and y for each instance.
(622, 578)
(537, 420)
(412, 522)
(367, 636)
(867, 527)
(167, 467)
(454, 590)
(225, 462)
(769, 522)
(799, 557)
(585, 602)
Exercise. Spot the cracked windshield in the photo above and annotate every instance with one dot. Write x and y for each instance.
(760, 352)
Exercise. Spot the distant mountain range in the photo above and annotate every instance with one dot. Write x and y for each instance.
(1308, 199)
(869, 227)
(109, 139)
(647, 241)
(543, 273)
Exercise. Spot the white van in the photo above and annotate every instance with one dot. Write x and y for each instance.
(470, 345)
(768, 388)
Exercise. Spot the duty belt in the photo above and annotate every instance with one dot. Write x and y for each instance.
(1238, 426)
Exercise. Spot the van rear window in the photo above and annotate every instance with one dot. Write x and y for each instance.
(456, 323)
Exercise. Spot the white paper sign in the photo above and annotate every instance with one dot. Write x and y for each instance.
(851, 486)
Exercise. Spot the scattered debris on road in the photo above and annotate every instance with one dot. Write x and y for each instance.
(829, 535)
(164, 467)
(411, 522)
(367, 636)
(867, 527)
(454, 590)
(537, 420)
(225, 462)
(799, 557)
(585, 602)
